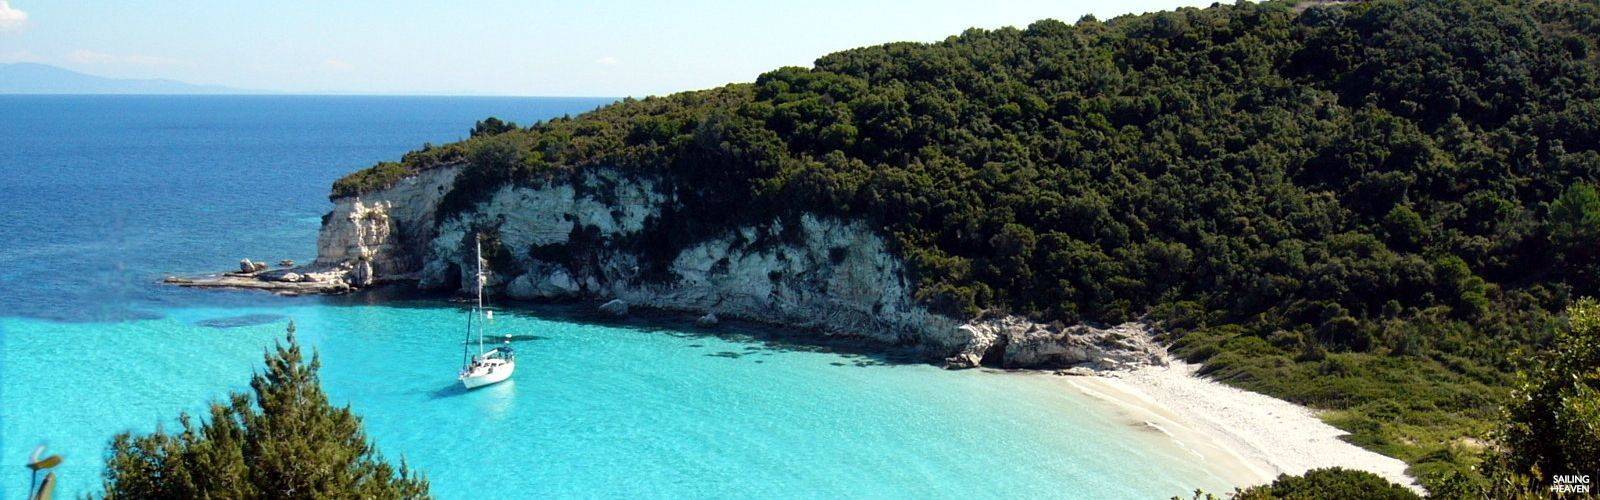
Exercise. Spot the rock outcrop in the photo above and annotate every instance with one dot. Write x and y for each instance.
(377, 234)
(549, 284)
(248, 266)
(299, 281)
(581, 237)
(1028, 344)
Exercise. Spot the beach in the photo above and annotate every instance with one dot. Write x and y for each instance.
(1248, 437)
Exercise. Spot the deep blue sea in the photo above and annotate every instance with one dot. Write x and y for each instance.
(100, 197)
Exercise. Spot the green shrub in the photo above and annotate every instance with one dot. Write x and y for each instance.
(380, 176)
(1331, 483)
(290, 443)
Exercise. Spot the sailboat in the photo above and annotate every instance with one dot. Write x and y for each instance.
(490, 367)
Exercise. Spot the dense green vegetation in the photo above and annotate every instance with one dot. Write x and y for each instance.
(1328, 483)
(290, 444)
(1371, 208)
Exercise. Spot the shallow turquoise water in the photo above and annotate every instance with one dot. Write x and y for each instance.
(102, 196)
(602, 410)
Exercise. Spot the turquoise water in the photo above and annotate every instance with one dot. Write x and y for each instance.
(103, 196)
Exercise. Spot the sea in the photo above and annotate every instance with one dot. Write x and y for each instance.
(103, 196)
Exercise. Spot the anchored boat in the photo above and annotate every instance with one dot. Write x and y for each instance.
(495, 365)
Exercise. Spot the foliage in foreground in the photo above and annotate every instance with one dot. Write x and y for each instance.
(290, 444)
(1372, 208)
(1331, 483)
(1552, 425)
(1334, 483)
(1554, 418)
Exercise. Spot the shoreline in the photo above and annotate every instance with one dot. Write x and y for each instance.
(1250, 438)
(1246, 438)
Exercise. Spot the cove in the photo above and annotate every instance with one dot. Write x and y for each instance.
(600, 410)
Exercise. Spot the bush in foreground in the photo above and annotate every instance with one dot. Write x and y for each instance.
(291, 443)
(1330, 483)
(1552, 425)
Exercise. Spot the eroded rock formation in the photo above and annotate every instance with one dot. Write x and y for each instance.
(578, 238)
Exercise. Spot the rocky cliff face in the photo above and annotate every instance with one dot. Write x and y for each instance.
(378, 236)
(581, 237)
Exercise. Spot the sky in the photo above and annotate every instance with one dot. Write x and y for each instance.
(608, 48)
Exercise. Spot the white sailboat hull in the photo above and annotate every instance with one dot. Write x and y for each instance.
(484, 375)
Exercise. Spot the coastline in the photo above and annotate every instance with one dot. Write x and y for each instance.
(1249, 437)
(1246, 438)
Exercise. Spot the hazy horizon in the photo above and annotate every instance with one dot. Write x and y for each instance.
(54, 85)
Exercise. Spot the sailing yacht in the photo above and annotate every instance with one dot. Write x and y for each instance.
(490, 367)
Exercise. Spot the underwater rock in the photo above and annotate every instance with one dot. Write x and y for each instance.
(241, 321)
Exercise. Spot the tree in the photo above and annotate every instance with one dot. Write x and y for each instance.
(1575, 215)
(1405, 228)
(492, 126)
(1553, 422)
(290, 444)
(1575, 230)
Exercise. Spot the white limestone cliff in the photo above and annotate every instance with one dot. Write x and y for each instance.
(577, 238)
(374, 233)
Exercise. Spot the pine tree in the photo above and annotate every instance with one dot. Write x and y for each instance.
(289, 442)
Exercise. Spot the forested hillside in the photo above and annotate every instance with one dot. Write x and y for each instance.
(1377, 208)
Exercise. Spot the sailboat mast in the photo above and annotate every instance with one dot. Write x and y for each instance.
(478, 242)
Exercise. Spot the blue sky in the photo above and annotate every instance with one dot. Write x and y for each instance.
(505, 47)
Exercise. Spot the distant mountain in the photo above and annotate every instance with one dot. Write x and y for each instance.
(34, 78)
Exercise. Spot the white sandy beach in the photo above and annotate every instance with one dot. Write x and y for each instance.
(1249, 438)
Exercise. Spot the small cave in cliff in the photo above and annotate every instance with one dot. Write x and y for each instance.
(452, 277)
(996, 355)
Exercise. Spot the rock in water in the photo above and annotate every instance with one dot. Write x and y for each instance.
(286, 263)
(710, 319)
(617, 307)
(245, 266)
(258, 266)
